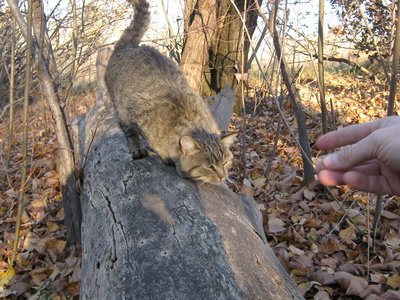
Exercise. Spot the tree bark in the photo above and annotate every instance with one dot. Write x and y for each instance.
(212, 52)
(200, 22)
(149, 234)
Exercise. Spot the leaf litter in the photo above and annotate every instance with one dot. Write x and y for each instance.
(45, 267)
(326, 243)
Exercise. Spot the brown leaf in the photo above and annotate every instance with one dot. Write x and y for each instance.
(322, 295)
(390, 295)
(258, 183)
(275, 225)
(306, 286)
(286, 183)
(55, 244)
(313, 223)
(323, 277)
(297, 196)
(394, 281)
(309, 194)
(378, 278)
(300, 262)
(295, 251)
(392, 239)
(39, 275)
(329, 207)
(389, 215)
(348, 234)
(20, 287)
(330, 262)
(372, 292)
(356, 216)
(352, 284)
(355, 269)
(331, 246)
(293, 234)
(33, 242)
(72, 288)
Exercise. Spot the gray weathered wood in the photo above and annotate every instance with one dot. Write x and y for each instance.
(222, 107)
(149, 234)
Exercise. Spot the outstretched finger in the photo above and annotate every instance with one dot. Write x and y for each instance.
(348, 135)
(330, 178)
(381, 145)
(373, 184)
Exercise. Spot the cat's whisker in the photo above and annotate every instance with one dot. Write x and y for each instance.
(232, 182)
(202, 182)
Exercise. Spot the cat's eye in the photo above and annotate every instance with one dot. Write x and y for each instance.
(212, 167)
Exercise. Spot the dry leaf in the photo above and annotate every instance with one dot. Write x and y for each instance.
(20, 287)
(72, 288)
(323, 277)
(331, 246)
(392, 239)
(40, 275)
(300, 262)
(322, 295)
(33, 242)
(258, 183)
(329, 207)
(378, 278)
(6, 275)
(389, 215)
(55, 244)
(306, 286)
(309, 194)
(394, 281)
(352, 284)
(295, 251)
(356, 216)
(275, 225)
(390, 295)
(348, 234)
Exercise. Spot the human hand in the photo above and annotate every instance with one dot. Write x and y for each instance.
(370, 161)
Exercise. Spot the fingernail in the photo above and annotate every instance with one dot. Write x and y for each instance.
(331, 161)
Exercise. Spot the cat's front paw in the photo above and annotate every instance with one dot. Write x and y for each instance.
(168, 161)
(139, 153)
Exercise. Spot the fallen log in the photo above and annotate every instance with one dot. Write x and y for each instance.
(149, 234)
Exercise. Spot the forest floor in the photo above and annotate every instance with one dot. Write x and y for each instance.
(325, 240)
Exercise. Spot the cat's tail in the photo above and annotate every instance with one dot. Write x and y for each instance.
(139, 25)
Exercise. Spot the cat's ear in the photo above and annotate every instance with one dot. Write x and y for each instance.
(228, 139)
(188, 145)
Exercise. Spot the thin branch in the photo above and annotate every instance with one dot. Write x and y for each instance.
(25, 129)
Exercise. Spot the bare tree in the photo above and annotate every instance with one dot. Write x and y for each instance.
(45, 64)
(293, 92)
(212, 52)
(61, 45)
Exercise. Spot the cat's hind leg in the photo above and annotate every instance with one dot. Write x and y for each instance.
(134, 143)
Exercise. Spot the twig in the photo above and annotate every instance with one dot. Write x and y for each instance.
(25, 130)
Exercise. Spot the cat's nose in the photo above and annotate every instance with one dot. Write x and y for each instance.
(220, 173)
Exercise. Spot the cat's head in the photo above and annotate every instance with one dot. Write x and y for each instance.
(205, 157)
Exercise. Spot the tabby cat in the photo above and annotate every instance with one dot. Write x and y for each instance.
(153, 100)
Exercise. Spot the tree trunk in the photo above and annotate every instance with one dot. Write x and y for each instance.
(66, 161)
(212, 52)
(149, 234)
